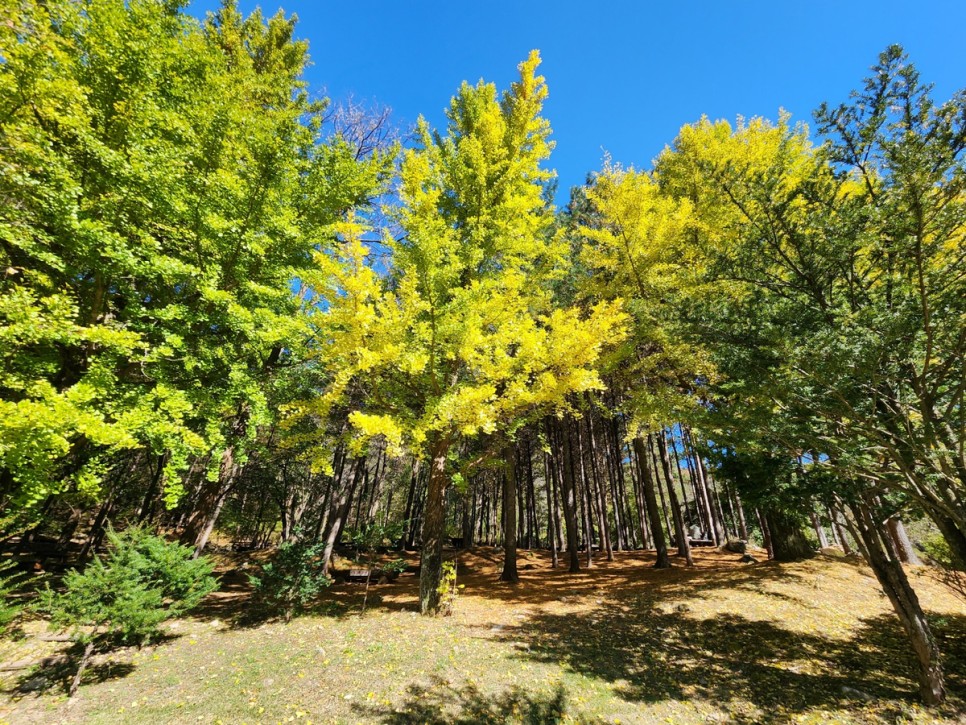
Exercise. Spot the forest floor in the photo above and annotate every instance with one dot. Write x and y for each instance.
(812, 642)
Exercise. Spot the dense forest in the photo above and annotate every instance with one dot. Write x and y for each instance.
(241, 317)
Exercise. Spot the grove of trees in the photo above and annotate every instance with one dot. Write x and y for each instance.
(236, 314)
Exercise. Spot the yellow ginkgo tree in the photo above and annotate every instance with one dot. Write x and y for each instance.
(457, 337)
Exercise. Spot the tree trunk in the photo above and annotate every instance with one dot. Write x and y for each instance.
(211, 499)
(677, 512)
(787, 539)
(434, 530)
(509, 517)
(650, 501)
(339, 505)
(819, 531)
(765, 534)
(568, 496)
(548, 480)
(904, 601)
(907, 554)
(599, 492)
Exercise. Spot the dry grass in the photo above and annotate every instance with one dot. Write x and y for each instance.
(724, 642)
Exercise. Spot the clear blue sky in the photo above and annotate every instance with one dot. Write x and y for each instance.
(623, 76)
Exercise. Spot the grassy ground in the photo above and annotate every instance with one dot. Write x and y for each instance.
(808, 642)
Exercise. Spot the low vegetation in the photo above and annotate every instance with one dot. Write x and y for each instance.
(810, 642)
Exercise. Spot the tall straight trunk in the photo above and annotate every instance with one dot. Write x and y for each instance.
(714, 526)
(653, 468)
(548, 480)
(509, 516)
(907, 554)
(533, 525)
(585, 496)
(650, 500)
(684, 544)
(765, 534)
(680, 476)
(484, 511)
(569, 496)
(375, 494)
(599, 491)
(618, 453)
(434, 529)
(408, 516)
(742, 524)
(636, 484)
(719, 509)
(892, 578)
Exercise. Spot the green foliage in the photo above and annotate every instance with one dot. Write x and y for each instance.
(142, 581)
(162, 182)
(937, 549)
(293, 578)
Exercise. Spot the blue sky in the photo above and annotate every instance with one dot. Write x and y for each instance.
(623, 76)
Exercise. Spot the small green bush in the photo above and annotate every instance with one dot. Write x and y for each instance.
(938, 551)
(293, 578)
(125, 596)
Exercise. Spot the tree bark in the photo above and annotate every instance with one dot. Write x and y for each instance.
(650, 502)
(434, 530)
(509, 516)
(684, 543)
(907, 553)
(787, 539)
(904, 601)
(569, 498)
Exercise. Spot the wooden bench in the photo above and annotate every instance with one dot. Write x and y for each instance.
(701, 542)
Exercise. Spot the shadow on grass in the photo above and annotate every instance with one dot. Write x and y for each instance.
(755, 670)
(441, 703)
(57, 675)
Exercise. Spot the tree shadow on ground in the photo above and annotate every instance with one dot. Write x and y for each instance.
(755, 670)
(441, 703)
(58, 675)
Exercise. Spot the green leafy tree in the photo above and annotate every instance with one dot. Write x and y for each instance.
(164, 182)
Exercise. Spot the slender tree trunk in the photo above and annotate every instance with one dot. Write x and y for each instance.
(835, 516)
(907, 553)
(766, 540)
(599, 492)
(894, 582)
(714, 526)
(339, 506)
(509, 516)
(684, 544)
(742, 524)
(568, 495)
(639, 500)
(434, 530)
(650, 500)
(552, 518)
(819, 531)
